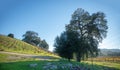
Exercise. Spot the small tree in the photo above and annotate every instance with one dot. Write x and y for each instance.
(11, 35)
(31, 37)
(44, 44)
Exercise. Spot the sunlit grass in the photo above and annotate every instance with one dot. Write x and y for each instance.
(13, 58)
(3, 57)
(107, 64)
(15, 45)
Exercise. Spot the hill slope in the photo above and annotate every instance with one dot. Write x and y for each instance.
(15, 45)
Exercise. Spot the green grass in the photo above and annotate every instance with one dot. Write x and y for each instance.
(24, 65)
(3, 57)
(106, 64)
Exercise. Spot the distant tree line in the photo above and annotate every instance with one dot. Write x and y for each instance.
(32, 38)
(82, 36)
(109, 52)
(113, 54)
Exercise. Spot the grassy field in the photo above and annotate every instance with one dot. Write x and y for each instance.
(22, 63)
(40, 65)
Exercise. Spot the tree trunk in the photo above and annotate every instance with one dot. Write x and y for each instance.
(69, 59)
(78, 57)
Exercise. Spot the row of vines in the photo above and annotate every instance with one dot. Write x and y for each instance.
(106, 59)
(15, 45)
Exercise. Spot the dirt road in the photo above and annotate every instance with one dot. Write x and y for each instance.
(29, 55)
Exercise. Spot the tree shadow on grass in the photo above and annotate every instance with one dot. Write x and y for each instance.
(22, 65)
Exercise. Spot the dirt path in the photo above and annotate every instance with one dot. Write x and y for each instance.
(17, 53)
(29, 55)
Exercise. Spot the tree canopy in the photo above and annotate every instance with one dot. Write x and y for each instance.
(32, 38)
(44, 44)
(11, 35)
(89, 30)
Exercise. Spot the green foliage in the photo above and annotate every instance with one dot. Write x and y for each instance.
(63, 45)
(91, 29)
(32, 38)
(43, 44)
(11, 35)
(82, 35)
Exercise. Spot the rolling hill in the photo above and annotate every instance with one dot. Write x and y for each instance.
(14, 45)
(109, 52)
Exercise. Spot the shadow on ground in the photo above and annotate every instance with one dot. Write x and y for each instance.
(40, 64)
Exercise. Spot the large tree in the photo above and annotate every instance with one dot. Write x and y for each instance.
(91, 29)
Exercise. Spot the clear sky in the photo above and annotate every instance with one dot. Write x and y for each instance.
(49, 17)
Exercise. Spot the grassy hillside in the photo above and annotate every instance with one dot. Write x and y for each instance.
(15, 45)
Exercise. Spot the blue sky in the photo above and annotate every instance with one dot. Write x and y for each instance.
(49, 17)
